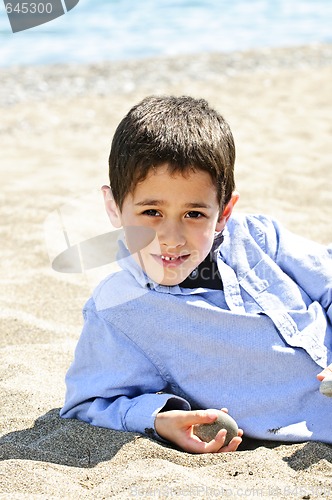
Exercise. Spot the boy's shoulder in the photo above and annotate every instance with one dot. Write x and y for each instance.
(116, 289)
(263, 229)
(252, 222)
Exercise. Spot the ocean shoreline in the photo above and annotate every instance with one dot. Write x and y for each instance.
(31, 83)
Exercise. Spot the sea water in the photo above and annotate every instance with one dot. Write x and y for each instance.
(99, 30)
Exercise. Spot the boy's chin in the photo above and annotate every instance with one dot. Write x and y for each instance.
(168, 280)
(170, 276)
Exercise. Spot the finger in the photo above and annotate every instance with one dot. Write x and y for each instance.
(198, 417)
(213, 446)
(217, 444)
(194, 445)
(224, 409)
(327, 372)
(232, 445)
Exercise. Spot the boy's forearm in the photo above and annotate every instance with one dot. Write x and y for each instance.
(125, 414)
(101, 392)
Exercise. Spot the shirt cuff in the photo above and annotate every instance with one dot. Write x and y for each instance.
(141, 416)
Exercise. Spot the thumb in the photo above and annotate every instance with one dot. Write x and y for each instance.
(199, 417)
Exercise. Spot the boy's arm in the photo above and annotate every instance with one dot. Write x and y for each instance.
(111, 383)
(308, 263)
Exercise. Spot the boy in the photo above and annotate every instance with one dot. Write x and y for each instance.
(209, 309)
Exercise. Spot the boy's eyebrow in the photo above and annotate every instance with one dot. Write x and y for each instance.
(162, 202)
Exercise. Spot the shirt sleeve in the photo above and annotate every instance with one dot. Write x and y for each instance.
(308, 263)
(112, 383)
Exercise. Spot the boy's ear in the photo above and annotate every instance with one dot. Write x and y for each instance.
(112, 209)
(227, 212)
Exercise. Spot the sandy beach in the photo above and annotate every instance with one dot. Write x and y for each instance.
(55, 132)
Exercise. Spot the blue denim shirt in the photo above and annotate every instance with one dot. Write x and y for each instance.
(254, 347)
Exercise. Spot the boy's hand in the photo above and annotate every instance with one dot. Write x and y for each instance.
(327, 372)
(177, 426)
(325, 378)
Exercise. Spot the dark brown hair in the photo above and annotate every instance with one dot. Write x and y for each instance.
(184, 132)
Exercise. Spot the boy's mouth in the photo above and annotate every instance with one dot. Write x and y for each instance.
(170, 260)
(168, 257)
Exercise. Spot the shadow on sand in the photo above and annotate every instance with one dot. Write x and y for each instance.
(64, 442)
(77, 444)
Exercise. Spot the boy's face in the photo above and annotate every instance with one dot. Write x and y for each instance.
(184, 213)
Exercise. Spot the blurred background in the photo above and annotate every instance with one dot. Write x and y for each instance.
(102, 30)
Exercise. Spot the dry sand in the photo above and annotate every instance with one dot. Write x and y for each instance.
(55, 128)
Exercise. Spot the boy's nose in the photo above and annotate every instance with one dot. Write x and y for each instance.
(171, 235)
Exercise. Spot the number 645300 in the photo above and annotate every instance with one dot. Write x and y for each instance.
(29, 8)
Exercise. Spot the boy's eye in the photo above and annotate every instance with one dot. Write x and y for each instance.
(151, 212)
(194, 215)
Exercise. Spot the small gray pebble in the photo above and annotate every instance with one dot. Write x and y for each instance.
(326, 386)
(207, 432)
